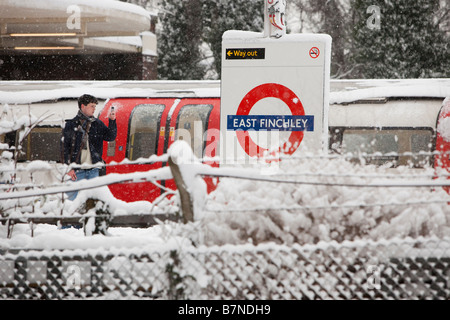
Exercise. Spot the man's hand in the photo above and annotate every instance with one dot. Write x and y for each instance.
(112, 114)
(72, 175)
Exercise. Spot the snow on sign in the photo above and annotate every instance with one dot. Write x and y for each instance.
(275, 104)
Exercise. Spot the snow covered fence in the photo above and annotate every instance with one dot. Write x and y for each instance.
(394, 269)
(48, 204)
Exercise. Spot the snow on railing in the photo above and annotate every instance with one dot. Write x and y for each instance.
(400, 269)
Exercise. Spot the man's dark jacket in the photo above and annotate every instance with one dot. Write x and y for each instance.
(98, 133)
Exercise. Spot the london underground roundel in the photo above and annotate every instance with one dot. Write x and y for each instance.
(297, 123)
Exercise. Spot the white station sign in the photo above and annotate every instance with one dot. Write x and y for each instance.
(274, 95)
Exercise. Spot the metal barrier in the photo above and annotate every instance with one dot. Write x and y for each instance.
(397, 269)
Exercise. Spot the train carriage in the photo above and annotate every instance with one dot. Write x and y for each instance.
(148, 126)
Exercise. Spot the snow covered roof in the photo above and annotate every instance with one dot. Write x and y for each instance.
(23, 92)
(48, 23)
(342, 91)
(345, 91)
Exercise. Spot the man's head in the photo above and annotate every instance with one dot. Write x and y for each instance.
(87, 104)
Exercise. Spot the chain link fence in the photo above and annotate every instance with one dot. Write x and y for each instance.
(396, 269)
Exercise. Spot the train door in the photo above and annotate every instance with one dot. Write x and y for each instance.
(140, 134)
(442, 158)
(196, 121)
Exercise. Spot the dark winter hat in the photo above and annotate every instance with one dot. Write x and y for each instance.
(86, 99)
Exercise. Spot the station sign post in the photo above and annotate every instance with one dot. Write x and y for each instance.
(274, 91)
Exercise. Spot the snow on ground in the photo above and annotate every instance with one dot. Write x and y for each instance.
(48, 236)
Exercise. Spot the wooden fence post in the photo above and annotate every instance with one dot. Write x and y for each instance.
(187, 208)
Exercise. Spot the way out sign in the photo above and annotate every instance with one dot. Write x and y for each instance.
(276, 104)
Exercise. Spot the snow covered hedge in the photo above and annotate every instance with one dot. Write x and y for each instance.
(243, 211)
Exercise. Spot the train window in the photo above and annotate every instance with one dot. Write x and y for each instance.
(40, 145)
(192, 123)
(376, 147)
(421, 148)
(393, 146)
(143, 130)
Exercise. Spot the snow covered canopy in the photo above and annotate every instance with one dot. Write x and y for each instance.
(67, 26)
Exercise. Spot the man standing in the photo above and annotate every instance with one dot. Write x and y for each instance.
(83, 137)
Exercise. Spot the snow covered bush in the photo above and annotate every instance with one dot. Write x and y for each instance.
(332, 204)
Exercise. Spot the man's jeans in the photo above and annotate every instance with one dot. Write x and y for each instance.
(83, 174)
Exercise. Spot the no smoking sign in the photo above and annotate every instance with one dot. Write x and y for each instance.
(314, 52)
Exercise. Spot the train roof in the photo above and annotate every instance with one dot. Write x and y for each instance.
(24, 92)
(341, 91)
(378, 90)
